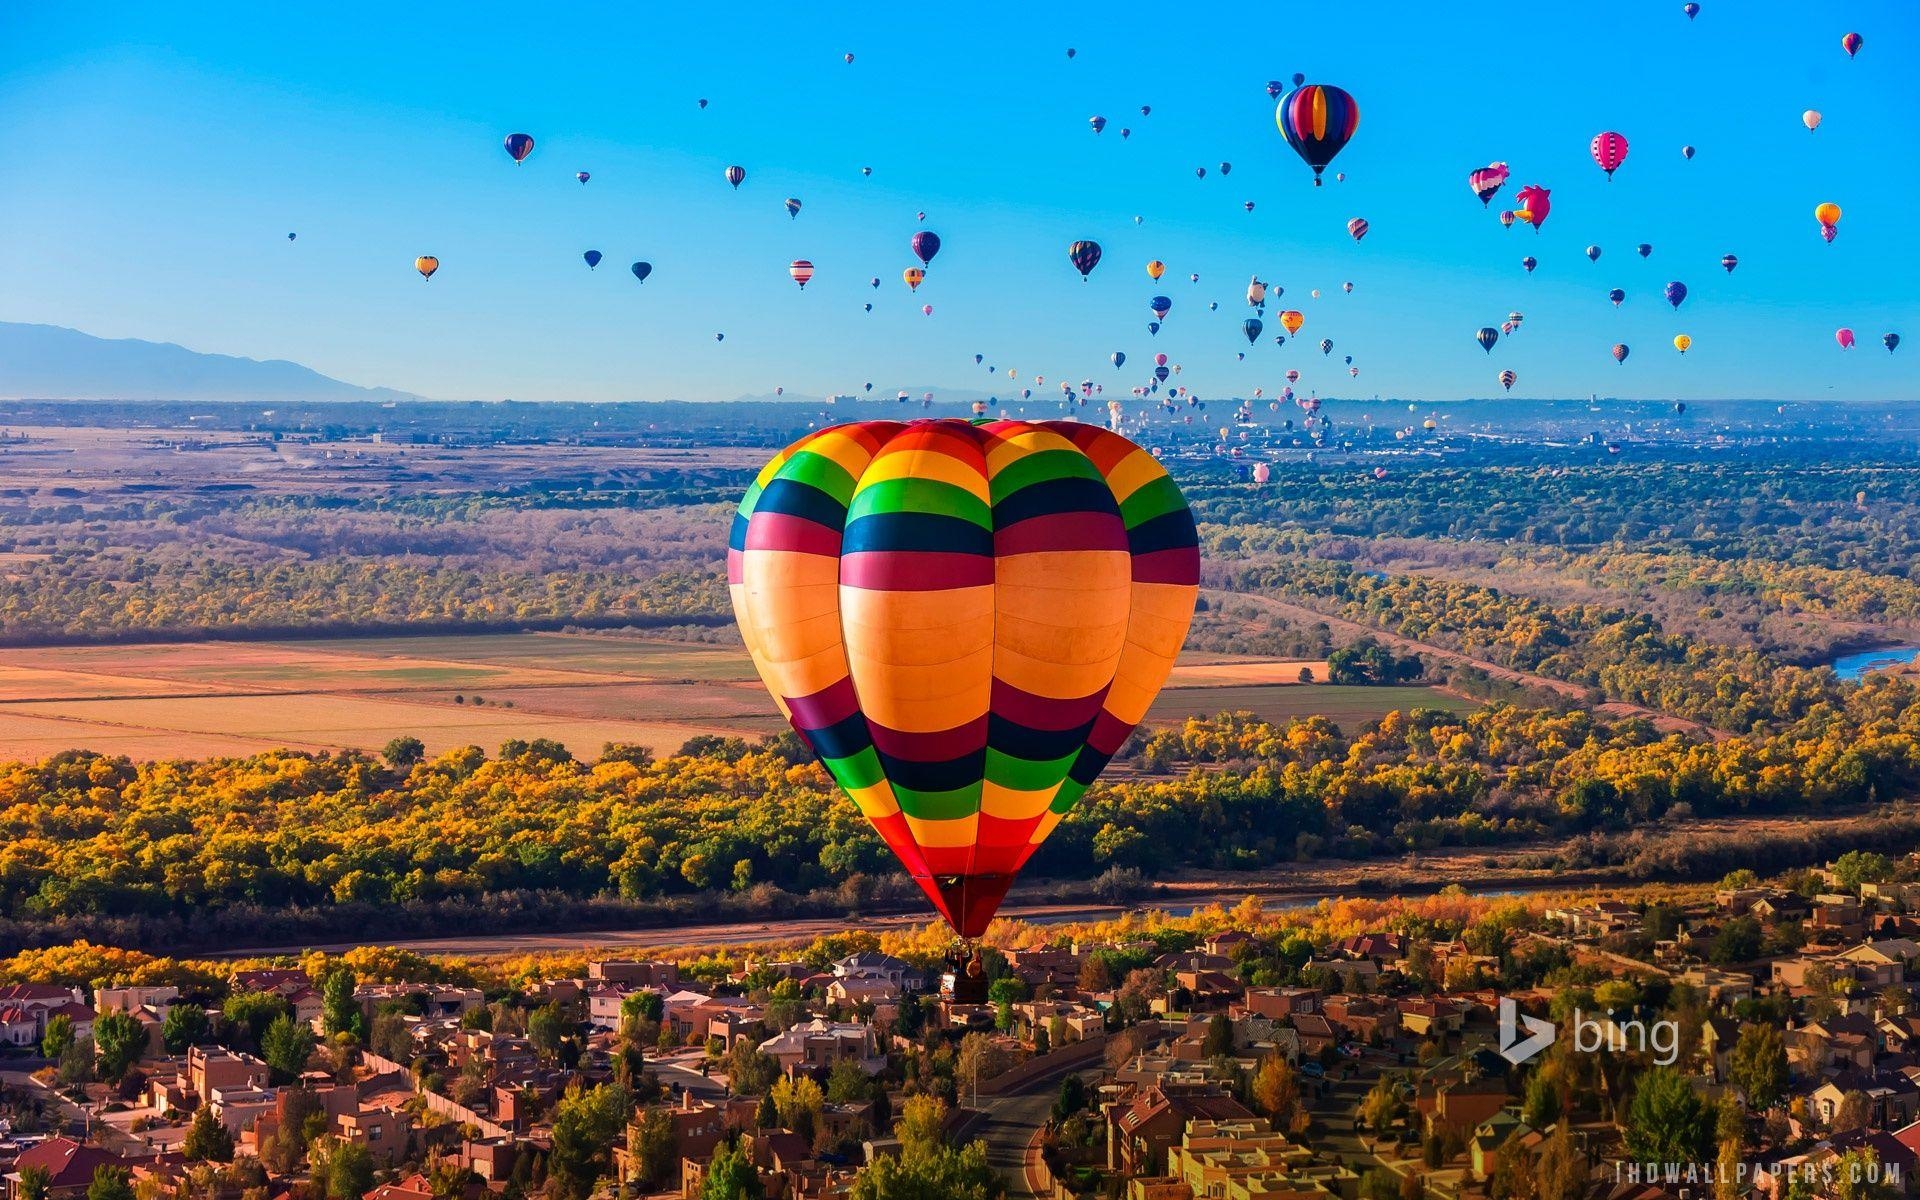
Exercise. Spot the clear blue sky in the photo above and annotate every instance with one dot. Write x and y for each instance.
(159, 154)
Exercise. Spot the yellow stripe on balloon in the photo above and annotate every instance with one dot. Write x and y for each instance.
(1319, 101)
(960, 831)
(928, 464)
(1009, 449)
(1045, 827)
(1010, 805)
(849, 453)
(876, 801)
(1132, 473)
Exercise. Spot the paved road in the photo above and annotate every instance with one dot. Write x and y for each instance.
(76, 1117)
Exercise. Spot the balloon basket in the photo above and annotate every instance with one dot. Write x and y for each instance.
(963, 976)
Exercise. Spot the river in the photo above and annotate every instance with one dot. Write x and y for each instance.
(1858, 663)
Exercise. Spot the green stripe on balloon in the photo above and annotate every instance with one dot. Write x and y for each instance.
(931, 496)
(1026, 775)
(1043, 467)
(939, 806)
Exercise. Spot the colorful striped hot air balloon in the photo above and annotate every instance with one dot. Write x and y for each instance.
(1318, 120)
(1487, 180)
(965, 622)
(1609, 150)
(1085, 256)
(519, 145)
(1357, 227)
(426, 264)
(801, 270)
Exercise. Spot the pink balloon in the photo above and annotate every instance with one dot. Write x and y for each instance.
(1844, 337)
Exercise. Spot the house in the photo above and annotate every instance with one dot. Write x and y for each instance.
(1381, 947)
(1317, 1034)
(1144, 1125)
(872, 964)
(1492, 1136)
(664, 976)
(133, 999)
(1227, 941)
(386, 1131)
(1459, 1106)
(1240, 1158)
(819, 1044)
(851, 990)
(33, 1002)
(212, 1070)
(1282, 1001)
(1061, 968)
(1894, 1099)
(19, 1026)
(69, 1164)
(1421, 1017)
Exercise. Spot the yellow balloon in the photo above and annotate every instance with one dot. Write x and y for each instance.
(1827, 214)
(913, 276)
(1681, 342)
(426, 264)
(1293, 319)
(1156, 269)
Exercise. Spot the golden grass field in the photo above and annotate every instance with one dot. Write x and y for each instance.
(156, 701)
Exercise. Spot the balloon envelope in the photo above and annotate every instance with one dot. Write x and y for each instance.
(926, 244)
(641, 270)
(593, 258)
(1318, 120)
(519, 145)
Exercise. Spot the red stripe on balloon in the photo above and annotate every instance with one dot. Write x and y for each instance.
(1062, 531)
(1178, 565)
(940, 746)
(1048, 713)
(914, 570)
(784, 531)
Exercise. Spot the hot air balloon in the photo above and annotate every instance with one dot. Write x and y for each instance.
(913, 276)
(1292, 319)
(1317, 120)
(1617, 295)
(1252, 327)
(1851, 43)
(1620, 352)
(849, 58)
(641, 270)
(1125, 133)
(1593, 254)
(1293, 377)
(1262, 473)
(1249, 206)
(1119, 359)
(1676, 292)
(519, 145)
(1507, 379)
(1487, 336)
(801, 270)
(1686, 152)
(1692, 10)
(1160, 307)
(1538, 203)
(1645, 248)
(874, 283)
(1159, 360)
(1682, 342)
(926, 244)
(1891, 341)
(593, 259)
(1357, 227)
(793, 207)
(735, 175)
(1347, 288)
(1729, 262)
(1153, 327)
(1085, 256)
(926, 310)
(1199, 172)
(1326, 345)
(1226, 168)
(1488, 180)
(1507, 219)
(1298, 79)
(1274, 88)
(292, 236)
(1156, 269)
(582, 176)
(1811, 119)
(1844, 337)
(426, 264)
(1609, 150)
(1161, 373)
(703, 102)
(1070, 51)
(1529, 262)
(1098, 123)
(1828, 214)
(866, 172)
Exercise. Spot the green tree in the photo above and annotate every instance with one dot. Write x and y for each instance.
(341, 1012)
(1738, 941)
(848, 1083)
(655, 1149)
(941, 1174)
(730, 1176)
(1856, 867)
(207, 1138)
(35, 1183)
(110, 1183)
(749, 1072)
(118, 1042)
(403, 752)
(287, 1045)
(547, 1027)
(58, 1038)
(1758, 1065)
(1667, 1121)
(1219, 1039)
(248, 1014)
(585, 1123)
(1541, 1106)
(798, 1104)
(185, 1025)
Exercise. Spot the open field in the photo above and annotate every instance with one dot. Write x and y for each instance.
(165, 700)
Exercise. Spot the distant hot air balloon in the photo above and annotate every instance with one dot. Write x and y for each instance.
(1852, 42)
(426, 264)
(1226, 168)
(1153, 327)
(1507, 219)
(641, 270)
(1645, 248)
(1538, 203)
(1828, 214)
(703, 102)
(1593, 254)
(1357, 227)
(1326, 345)
(519, 145)
(1487, 336)
(793, 207)
(1298, 79)
(1292, 319)
(1844, 337)
(593, 259)
(735, 175)
(1293, 377)
(1249, 206)
(1609, 150)
(801, 270)
(913, 276)
(1160, 307)
(1620, 352)
(926, 310)
(1119, 359)
(1729, 262)
(1071, 51)
(1159, 360)
(1262, 473)
(1682, 342)
(292, 236)
(1507, 379)
(582, 176)
(1811, 119)
(1155, 269)
(1676, 292)
(1692, 10)
(1488, 180)
(1098, 123)
(926, 244)
(849, 58)
(1085, 256)
(1274, 88)
(1347, 287)
(1317, 120)
(1686, 152)
(1891, 341)
(866, 172)
(1617, 295)
(1252, 327)
(1529, 262)
(1199, 172)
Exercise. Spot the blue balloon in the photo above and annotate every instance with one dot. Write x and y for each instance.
(593, 259)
